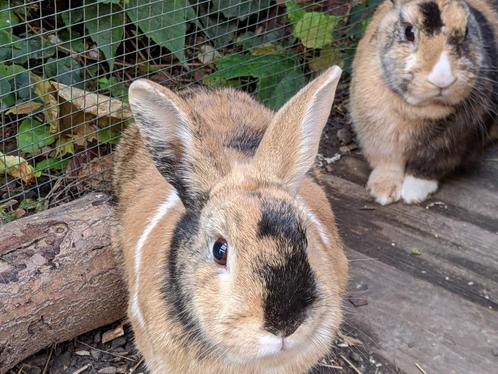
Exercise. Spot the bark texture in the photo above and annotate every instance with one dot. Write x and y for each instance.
(58, 277)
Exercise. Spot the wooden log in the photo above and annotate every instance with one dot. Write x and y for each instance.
(58, 277)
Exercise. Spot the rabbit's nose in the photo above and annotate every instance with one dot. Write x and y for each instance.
(285, 327)
(442, 75)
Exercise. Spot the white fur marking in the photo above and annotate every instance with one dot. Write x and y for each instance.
(441, 75)
(415, 190)
(156, 218)
(313, 218)
(269, 345)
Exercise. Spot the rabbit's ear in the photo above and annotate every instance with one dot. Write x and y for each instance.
(163, 121)
(290, 144)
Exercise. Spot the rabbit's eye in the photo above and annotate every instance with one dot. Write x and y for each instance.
(410, 33)
(220, 251)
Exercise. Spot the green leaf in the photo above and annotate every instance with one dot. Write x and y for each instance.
(72, 16)
(249, 40)
(107, 136)
(270, 70)
(240, 9)
(165, 22)
(315, 29)
(64, 70)
(115, 87)
(415, 252)
(286, 88)
(70, 39)
(105, 25)
(219, 33)
(37, 205)
(7, 16)
(294, 12)
(51, 163)
(32, 49)
(8, 73)
(33, 136)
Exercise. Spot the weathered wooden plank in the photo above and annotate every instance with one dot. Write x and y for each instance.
(456, 255)
(473, 196)
(410, 320)
(438, 309)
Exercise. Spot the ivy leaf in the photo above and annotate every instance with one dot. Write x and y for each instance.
(286, 89)
(106, 135)
(64, 70)
(165, 22)
(51, 163)
(33, 136)
(315, 29)
(105, 25)
(72, 16)
(294, 12)
(8, 73)
(7, 17)
(240, 9)
(269, 70)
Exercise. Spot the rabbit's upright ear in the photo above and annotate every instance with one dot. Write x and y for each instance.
(163, 120)
(290, 144)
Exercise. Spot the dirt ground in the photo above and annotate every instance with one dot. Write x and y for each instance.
(89, 354)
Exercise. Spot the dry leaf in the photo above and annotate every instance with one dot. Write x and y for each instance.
(83, 133)
(207, 54)
(97, 174)
(17, 167)
(112, 334)
(46, 92)
(95, 104)
(24, 108)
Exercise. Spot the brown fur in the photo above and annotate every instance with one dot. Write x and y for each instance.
(228, 125)
(402, 127)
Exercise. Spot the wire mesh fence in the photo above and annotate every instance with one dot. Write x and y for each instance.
(65, 67)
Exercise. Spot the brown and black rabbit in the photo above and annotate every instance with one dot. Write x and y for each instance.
(232, 256)
(424, 92)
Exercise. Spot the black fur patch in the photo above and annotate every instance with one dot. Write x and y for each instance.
(279, 220)
(246, 140)
(169, 161)
(174, 291)
(457, 142)
(432, 18)
(289, 282)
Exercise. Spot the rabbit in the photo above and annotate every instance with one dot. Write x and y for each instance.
(231, 253)
(424, 93)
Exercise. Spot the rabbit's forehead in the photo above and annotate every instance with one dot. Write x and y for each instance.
(272, 222)
(435, 16)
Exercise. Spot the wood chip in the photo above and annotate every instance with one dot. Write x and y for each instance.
(420, 369)
(358, 301)
(82, 353)
(351, 364)
(81, 369)
(112, 334)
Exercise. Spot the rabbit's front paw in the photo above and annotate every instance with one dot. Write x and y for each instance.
(384, 185)
(416, 190)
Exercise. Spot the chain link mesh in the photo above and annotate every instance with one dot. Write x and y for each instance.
(65, 67)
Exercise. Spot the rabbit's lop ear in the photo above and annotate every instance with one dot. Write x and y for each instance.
(164, 124)
(290, 144)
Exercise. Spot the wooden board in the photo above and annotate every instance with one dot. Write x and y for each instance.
(438, 309)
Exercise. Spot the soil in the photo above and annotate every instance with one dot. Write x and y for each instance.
(87, 354)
